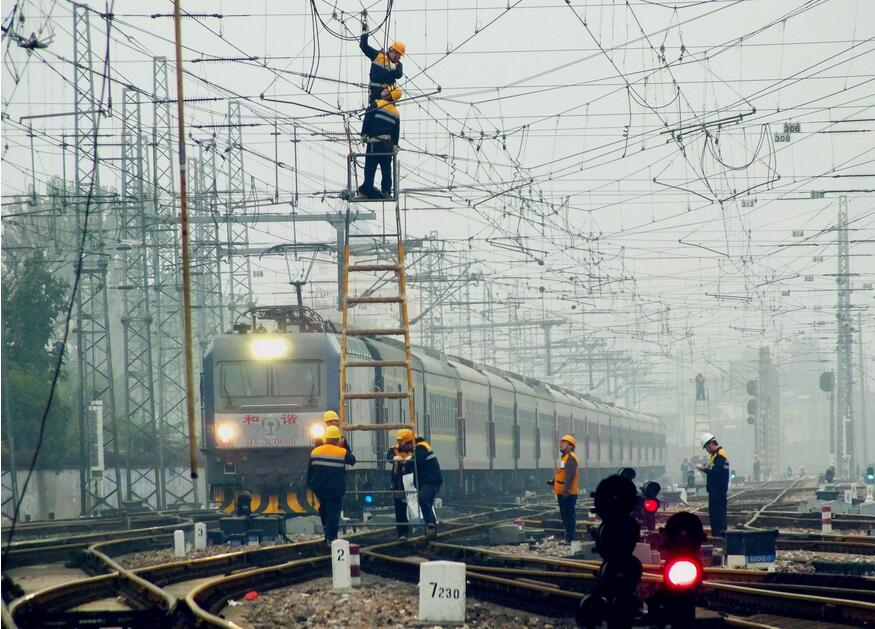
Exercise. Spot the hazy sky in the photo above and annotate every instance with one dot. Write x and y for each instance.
(628, 157)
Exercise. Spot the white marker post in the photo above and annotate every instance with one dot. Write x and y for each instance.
(355, 565)
(341, 576)
(826, 519)
(179, 543)
(442, 592)
(200, 535)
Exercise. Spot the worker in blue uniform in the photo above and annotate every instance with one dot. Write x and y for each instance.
(401, 457)
(429, 479)
(716, 471)
(381, 130)
(386, 66)
(326, 477)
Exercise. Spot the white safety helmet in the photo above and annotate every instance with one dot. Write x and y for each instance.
(707, 438)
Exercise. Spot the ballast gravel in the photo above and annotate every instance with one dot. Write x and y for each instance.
(148, 558)
(379, 602)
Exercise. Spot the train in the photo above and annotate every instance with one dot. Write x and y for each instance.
(265, 386)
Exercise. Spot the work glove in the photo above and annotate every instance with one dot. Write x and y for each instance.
(395, 149)
(364, 26)
(550, 482)
(397, 459)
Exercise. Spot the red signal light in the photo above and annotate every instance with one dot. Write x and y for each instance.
(651, 505)
(682, 573)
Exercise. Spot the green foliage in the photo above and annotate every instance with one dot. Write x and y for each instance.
(31, 307)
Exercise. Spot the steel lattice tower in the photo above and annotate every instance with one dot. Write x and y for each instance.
(845, 463)
(210, 316)
(239, 275)
(145, 452)
(93, 342)
(177, 487)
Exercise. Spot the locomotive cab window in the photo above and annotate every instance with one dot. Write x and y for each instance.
(295, 379)
(243, 379)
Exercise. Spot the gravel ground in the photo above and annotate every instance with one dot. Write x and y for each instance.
(378, 603)
(155, 557)
(800, 560)
(549, 547)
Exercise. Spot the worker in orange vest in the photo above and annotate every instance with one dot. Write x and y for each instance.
(565, 485)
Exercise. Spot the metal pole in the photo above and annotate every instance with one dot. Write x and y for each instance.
(864, 429)
(183, 225)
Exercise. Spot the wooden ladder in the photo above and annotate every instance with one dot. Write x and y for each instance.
(395, 266)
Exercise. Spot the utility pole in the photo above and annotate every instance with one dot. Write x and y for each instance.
(845, 463)
(145, 455)
(864, 428)
(93, 342)
(177, 488)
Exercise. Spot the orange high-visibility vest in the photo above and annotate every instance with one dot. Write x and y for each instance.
(559, 479)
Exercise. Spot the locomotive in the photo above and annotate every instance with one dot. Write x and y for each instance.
(264, 388)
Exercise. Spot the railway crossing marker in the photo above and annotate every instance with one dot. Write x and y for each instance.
(826, 519)
(341, 575)
(442, 592)
(200, 536)
(179, 543)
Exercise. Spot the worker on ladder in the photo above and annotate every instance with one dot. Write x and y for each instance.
(381, 130)
(386, 67)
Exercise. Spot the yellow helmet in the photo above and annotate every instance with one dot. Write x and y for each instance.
(332, 432)
(398, 47)
(330, 416)
(404, 435)
(570, 439)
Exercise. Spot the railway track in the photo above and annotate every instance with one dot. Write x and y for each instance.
(144, 589)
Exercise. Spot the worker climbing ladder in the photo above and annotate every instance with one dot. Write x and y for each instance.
(397, 310)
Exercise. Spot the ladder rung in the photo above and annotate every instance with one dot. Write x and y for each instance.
(377, 395)
(374, 299)
(376, 332)
(374, 267)
(377, 363)
(373, 235)
(349, 427)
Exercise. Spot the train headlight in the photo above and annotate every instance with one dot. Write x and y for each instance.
(226, 432)
(317, 430)
(269, 347)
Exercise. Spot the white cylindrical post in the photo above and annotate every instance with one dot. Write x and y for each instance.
(355, 566)
(442, 592)
(341, 576)
(200, 535)
(179, 543)
(826, 519)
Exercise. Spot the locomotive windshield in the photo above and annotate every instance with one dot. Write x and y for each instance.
(243, 379)
(250, 379)
(297, 379)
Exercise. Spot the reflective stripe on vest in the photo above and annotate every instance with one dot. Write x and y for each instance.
(328, 455)
(559, 478)
(431, 455)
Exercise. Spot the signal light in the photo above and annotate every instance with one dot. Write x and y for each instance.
(651, 505)
(369, 499)
(614, 598)
(675, 603)
(870, 474)
(682, 573)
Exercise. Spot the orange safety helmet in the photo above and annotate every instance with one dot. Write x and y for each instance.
(570, 439)
(398, 47)
(332, 432)
(404, 435)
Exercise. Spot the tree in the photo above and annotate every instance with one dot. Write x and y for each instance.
(30, 309)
